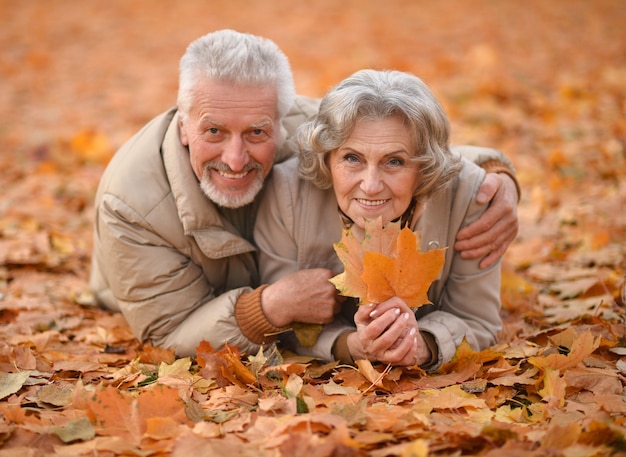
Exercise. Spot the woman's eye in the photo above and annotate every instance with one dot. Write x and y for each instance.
(395, 162)
(351, 158)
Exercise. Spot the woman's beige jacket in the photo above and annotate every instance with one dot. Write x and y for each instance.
(298, 223)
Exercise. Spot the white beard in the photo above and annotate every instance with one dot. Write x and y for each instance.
(229, 201)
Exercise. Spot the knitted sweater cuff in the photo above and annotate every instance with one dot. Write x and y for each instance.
(252, 320)
(496, 166)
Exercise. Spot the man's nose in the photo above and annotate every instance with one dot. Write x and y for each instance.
(235, 154)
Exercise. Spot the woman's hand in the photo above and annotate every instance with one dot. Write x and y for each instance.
(388, 332)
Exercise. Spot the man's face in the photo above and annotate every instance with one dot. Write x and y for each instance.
(232, 133)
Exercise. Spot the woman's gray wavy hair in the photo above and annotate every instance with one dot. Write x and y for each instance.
(240, 58)
(372, 95)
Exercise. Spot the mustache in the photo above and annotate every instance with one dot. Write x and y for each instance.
(221, 166)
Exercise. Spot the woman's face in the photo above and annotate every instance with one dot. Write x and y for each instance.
(371, 172)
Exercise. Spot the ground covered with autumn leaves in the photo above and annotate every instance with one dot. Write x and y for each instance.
(543, 81)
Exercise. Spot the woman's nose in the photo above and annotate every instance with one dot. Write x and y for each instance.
(371, 182)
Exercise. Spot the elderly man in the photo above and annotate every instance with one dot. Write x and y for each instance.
(176, 206)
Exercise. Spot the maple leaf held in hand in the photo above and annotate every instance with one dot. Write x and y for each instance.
(385, 264)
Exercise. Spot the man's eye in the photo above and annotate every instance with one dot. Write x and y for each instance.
(214, 131)
(259, 133)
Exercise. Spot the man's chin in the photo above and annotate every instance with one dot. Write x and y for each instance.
(235, 201)
(232, 199)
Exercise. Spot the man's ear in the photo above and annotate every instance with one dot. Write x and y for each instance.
(182, 132)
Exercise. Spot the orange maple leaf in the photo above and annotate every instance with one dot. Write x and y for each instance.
(117, 413)
(387, 263)
(224, 366)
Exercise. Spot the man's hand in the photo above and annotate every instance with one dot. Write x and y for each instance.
(489, 237)
(305, 296)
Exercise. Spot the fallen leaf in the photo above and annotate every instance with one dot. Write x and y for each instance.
(581, 348)
(55, 395)
(12, 382)
(375, 377)
(77, 430)
(332, 388)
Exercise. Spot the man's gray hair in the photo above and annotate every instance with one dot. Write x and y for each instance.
(374, 95)
(235, 57)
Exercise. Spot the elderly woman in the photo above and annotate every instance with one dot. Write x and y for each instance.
(379, 147)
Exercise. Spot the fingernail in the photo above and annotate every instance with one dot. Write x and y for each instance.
(373, 313)
(396, 312)
(406, 316)
(412, 332)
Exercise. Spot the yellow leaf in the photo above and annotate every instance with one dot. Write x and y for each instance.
(179, 368)
(553, 391)
(306, 333)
